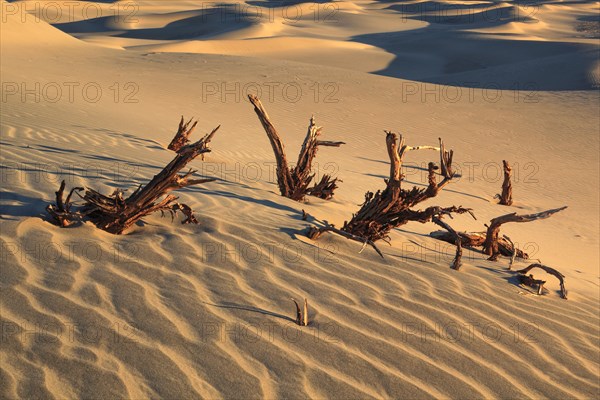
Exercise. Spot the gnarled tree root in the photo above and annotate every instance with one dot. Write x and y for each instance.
(491, 246)
(294, 182)
(385, 210)
(115, 213)
(530, 280)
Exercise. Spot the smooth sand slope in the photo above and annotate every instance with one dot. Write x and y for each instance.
(204, 311)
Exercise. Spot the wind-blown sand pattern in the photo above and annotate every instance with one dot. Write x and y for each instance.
(204, 311)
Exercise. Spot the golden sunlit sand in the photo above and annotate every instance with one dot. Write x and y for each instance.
(93, 96)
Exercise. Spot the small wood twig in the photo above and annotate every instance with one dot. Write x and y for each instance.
(514, 254)
(530, 281)
(551, 271)
(301, 315)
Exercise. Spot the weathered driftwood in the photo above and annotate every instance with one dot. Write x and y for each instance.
(476, 239)
(549, 270)
(182, 136)
(301, 315)
(304, 215)
(115, 213)
(514, 254)
(491, 246)
(385, 210)
(61, 212)
(529, 280)
(294, 182)
(506, 195)
(457, 262)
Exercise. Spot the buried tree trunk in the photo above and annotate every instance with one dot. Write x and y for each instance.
(506, 195)
(491, 246)
(385, 210)
(115, 213)
(293, 182)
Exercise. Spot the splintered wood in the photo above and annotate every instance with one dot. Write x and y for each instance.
(115, 213)
(294, 182)
(385, 210)
(301, 315)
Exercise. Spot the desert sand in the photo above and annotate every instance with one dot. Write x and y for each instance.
(92, 93)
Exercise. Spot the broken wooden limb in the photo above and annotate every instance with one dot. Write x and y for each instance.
(514, 254)
(529, 280)
(325, 188)
(114, 213)
(183, 134)
(506, 195)
(385, 210)
(389, 208)
(457, 263)
(294, 182)
(305, 313)
(301, 315)
(468, 239)
(476, 239)
(551, 271)
(61, 212)
(490, 246)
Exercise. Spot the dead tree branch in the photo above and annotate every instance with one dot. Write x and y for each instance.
(61, 212)
(513, 255)
(115, 213)
(506, 195)
(294, 182)
(385, 210)
(502, 245)
(458, 240)
(529, 280)
(551, 271)
(490, 246)
(182, 136)
(301, 316)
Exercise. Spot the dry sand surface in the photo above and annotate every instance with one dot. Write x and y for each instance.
(92, 93)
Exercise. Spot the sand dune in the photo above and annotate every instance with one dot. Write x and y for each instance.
(472, 44)
(204, 311)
